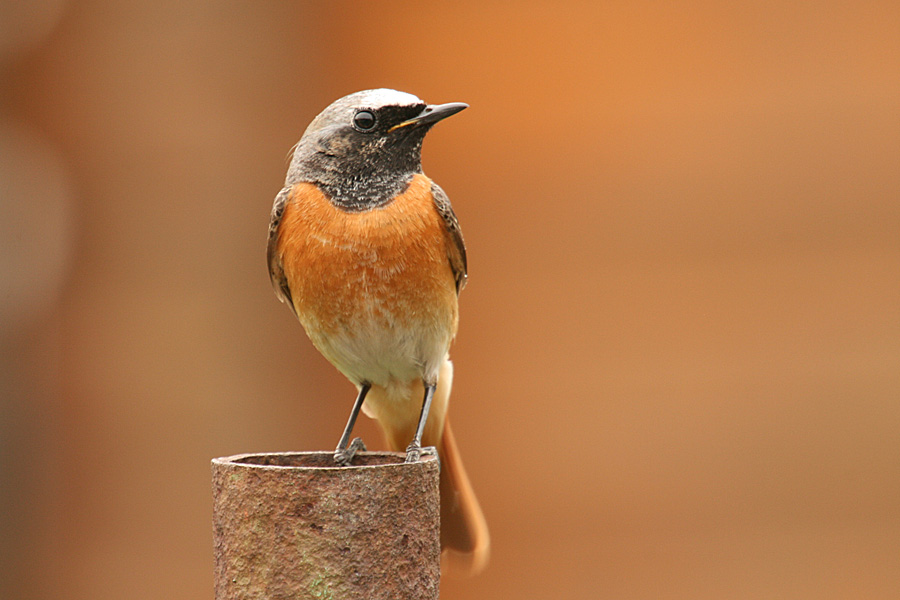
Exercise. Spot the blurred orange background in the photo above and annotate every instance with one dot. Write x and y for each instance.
(678, 366)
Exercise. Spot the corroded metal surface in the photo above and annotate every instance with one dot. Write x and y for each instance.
(294, 526)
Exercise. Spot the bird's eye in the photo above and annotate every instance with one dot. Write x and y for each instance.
(364, 121)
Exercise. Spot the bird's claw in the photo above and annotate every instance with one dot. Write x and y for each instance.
(344, 456)
(413, 453)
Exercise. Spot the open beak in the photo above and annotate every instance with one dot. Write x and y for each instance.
(432, 114)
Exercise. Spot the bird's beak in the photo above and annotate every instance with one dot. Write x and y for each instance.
(432, 114)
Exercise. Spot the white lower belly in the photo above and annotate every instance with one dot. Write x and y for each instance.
(385, 356)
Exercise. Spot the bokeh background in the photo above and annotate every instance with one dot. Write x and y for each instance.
(678, 366)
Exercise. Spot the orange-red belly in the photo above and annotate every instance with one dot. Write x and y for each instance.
(374, 289)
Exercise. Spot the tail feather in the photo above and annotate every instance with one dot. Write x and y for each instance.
(465, 541)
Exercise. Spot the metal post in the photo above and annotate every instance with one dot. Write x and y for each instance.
(296, 526)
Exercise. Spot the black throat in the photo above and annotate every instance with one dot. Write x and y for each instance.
(361, 176)
(357, 193)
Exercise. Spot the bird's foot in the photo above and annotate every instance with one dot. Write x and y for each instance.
(413, 452)
(344, 456)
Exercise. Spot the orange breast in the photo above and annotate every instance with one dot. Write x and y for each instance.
(387, 267)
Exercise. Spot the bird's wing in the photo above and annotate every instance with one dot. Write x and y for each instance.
(457, 251)
(276, 272)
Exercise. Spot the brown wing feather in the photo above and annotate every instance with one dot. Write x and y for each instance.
(276, 272)
(457, 253)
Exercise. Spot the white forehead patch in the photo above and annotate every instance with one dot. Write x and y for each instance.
(340, 111)
(386, 97)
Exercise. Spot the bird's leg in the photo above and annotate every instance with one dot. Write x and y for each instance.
(346, 449)
(414, 450)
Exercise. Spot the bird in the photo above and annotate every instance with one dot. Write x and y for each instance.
(367, 252)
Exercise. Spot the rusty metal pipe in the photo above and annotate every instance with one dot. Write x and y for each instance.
(294, 525)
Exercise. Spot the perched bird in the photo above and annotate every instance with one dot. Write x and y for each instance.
(367, 252)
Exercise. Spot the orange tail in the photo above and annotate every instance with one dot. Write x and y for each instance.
(465, 541)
